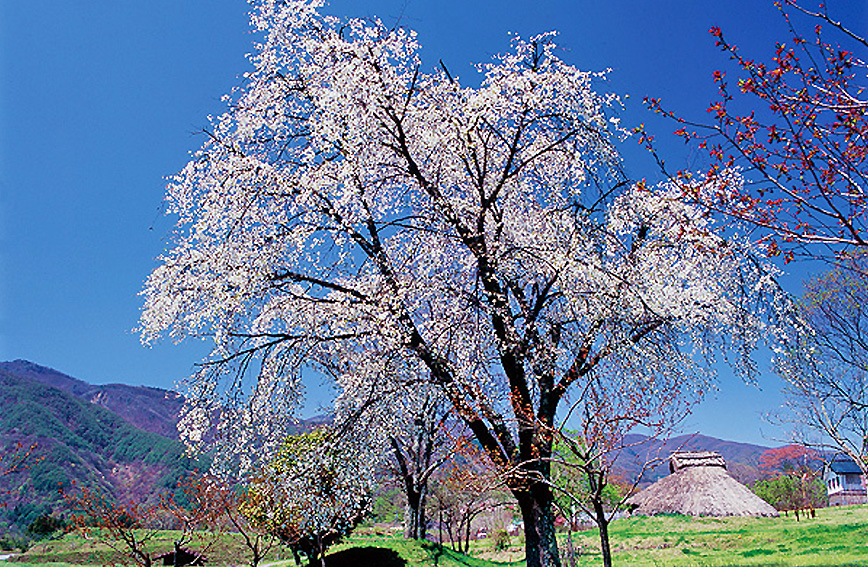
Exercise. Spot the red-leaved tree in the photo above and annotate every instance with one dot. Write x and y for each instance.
(796, 126)
(799, 466)
(127, 528)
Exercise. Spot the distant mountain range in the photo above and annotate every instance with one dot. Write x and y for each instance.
(149, 409)
(742, 459)
(123, 439)
(118, 438)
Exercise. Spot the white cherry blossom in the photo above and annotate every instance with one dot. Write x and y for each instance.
(352, 209)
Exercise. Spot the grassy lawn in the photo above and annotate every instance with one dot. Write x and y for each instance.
(836, 537)
(73, 549)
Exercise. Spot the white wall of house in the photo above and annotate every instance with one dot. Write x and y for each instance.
(845, 488)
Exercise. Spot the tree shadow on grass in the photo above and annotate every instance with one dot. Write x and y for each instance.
(365, 557)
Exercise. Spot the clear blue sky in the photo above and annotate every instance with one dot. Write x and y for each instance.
(100, 100)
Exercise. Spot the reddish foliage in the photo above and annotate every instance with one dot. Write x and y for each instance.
(797, 125)
(18, 459)
(787, 458)
(129, 527)
(126, 528)
(799, 464)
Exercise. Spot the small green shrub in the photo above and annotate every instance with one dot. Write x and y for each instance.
(11, 543)
(46, 525)
(501, 540)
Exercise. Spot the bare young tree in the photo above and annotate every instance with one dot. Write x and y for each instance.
(826, 367)
(240, 510)
(413, 425)
(617, 398)
(417, 454)
(465, 489)
(191, 510)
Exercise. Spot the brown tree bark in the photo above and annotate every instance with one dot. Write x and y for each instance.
(537, 512)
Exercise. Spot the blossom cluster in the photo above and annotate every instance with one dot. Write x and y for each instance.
(354, 213)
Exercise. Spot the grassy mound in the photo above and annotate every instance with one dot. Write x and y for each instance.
(390, 551)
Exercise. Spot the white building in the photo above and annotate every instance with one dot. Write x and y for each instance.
(844, 482)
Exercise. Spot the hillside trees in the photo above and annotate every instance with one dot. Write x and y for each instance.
(796, 125)
(351, 205)
(15, 459)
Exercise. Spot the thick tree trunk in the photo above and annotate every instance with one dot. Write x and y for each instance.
(541, 547)
(414, 514)
(603, 525)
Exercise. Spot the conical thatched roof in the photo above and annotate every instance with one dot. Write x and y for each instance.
(699, 486)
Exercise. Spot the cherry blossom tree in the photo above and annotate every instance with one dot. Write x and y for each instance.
(796, 124)
(352, 205)
(408, 420)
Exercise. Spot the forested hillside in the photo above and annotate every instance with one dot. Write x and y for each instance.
(77, 441)
(151, 409)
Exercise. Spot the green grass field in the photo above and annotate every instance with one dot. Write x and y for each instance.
(836, 537)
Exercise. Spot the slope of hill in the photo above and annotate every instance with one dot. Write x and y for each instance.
(77, 441)
(151, 409)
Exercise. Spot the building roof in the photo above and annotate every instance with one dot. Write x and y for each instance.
(699, 486)
(843, 465)
(684, 459)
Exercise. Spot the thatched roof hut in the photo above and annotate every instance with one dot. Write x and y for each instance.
(699, 486)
